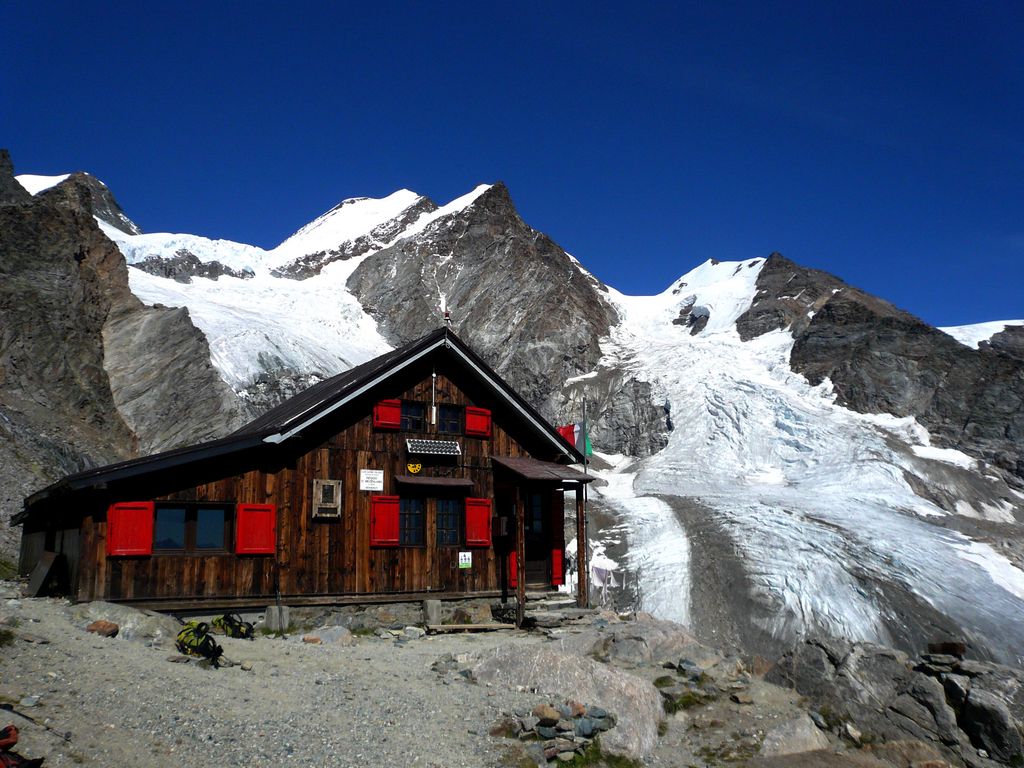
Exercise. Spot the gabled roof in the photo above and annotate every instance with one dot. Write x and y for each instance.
(290, 418)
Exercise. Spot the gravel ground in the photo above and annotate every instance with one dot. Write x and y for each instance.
(375, 702)
(124, 703)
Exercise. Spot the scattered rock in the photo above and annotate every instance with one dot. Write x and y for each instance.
(793, 737)
(246, 666)
(547, 670)
(571, 734)
(851, 732)
(29, 701)
(546, 715)
(103, 628)
(334, 635)
(414, 633)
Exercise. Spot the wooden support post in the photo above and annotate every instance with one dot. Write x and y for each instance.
(582, 566)
(520, 558)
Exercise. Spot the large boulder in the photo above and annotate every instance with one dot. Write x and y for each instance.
(133, 624)
(635, 703)
(634, 643)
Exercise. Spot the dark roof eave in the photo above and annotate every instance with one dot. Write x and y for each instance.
(92, 478)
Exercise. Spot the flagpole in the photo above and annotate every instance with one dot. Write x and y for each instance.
(586, 518)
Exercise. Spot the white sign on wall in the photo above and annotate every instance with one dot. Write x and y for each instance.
(371, 479)
(465, 560)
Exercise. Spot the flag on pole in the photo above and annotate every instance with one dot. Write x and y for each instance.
(577, 436)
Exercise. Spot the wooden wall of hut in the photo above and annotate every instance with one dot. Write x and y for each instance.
(317, 556)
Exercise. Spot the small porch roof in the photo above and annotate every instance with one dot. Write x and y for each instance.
(542, 471)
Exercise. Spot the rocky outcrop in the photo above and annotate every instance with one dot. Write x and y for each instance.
(1009, 341)
(379, 237)
(184, 265)
(192, 405)
(11, 192)
(100, 200)
(786, 294)
(881, 359)
(61, 280)
(621, 411)
(969, 710)
(694, 316)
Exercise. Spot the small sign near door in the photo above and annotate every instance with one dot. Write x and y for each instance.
(465, 560)
(371, 479)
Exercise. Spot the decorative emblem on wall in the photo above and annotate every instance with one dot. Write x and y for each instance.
(414, 469)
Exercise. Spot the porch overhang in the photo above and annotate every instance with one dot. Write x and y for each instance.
(535, 470)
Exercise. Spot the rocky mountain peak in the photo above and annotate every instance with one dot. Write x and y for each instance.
(513, 292)
(85, 192)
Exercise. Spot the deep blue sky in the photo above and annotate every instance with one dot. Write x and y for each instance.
(883, 142)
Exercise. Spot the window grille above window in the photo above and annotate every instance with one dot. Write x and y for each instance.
(434, 447)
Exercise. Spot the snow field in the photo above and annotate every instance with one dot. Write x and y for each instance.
(269, 324)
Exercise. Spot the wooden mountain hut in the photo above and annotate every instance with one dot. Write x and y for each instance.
(417, 474)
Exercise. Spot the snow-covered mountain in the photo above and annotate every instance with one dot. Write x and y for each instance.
(782, 454)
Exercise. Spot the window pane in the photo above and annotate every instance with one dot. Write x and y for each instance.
(209, 528)
(448, 522)
(535, 518)
(412, 417)
(410, 521)
(169, 528)
(449, 419)
(327, 494)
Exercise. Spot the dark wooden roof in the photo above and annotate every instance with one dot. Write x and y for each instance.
(535, 469)
(287, 420)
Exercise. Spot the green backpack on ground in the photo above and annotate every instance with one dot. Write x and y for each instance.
(232, 625)
(195, 639)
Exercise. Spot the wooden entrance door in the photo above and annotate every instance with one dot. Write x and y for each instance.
(538, 539)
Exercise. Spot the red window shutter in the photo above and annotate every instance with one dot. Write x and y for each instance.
(478, 522)
(387, 414)
(513, 571)
(557, 544)
(478, 422)
(256, 529)
(384, 521)
(130, 528)
(557, 567)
